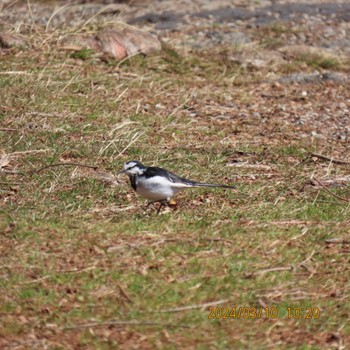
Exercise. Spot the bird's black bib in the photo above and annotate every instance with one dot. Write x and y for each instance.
(133, 181)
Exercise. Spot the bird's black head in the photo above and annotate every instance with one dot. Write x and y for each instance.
(133, 167)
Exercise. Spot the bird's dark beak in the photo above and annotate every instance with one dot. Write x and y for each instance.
(121, 172)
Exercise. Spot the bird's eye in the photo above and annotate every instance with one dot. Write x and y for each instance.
(130, 166)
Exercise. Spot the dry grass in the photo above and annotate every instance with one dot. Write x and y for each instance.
(77, 252)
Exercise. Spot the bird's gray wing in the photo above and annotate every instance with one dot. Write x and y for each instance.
(175, 179)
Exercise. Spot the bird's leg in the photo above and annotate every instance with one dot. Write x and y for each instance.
(149, 203)
(162, 204)
(152, 202)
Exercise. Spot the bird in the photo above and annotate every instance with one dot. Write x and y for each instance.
(158, 184)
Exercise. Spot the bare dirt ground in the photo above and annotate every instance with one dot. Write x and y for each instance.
(255, 93)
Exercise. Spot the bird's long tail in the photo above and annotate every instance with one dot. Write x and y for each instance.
(202, 184)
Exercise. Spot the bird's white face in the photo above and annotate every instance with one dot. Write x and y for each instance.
(133, 168)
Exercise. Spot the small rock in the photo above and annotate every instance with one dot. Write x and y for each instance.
(134, 40)
(276, 85)
(110, 43)
(256, 63)
(117, 42)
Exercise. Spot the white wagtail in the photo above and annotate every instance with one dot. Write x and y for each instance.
(158, 184)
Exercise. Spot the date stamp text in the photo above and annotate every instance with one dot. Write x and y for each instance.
(246, 312)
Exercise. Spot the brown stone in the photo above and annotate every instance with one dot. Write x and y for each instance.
(127, 41)
(117, 42)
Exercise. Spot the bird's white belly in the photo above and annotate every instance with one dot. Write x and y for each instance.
(156, 188)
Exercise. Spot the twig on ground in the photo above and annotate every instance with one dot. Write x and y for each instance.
(196, 306)
(330, 192)
(124, 323)
(36, 171)
(334, 161)
(9, 129)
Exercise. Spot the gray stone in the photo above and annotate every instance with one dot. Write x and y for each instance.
(315, 78)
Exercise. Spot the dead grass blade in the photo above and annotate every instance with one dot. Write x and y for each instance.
(107, 178)
(9, 129)
(337, 241)
(36, 171)
(104, 9)
(55, 13)
(13, 72)
(171, 240)
(124, 323)
(20, 153)
(272, 269)
(197, 306)
(134, 139)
